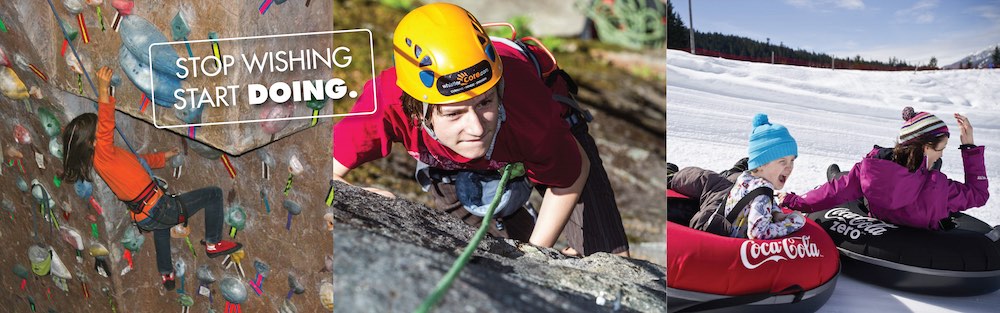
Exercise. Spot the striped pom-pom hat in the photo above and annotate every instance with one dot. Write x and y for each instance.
(920, 124)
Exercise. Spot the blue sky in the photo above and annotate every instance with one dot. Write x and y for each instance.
(911, 30)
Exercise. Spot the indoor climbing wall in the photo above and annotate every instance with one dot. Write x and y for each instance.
(70, 247)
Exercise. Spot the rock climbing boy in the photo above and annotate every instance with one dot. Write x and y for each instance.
(89, 144)
(464, 106)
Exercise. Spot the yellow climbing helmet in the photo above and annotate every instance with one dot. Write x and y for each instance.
(442, 55)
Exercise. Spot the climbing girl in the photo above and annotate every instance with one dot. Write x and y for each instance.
(89, 142)
(903, 184)
(772, 152)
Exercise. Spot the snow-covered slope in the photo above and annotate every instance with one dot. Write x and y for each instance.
(835, 116)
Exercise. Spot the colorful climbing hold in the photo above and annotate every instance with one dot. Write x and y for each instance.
(236, 218)
(132, 240)
(11, 85)
(204, 150)
(73, 238)
(233, 290)
(73, 6)
(70, 32)
(50, 123)
(273, 114)
(326, 295)
(21, 184)
(123, 6)
(21, 134)
(205, 280)
(83, 188)
(139, 74)
(262, 271)
(56, 148)
(76, 65)
(293, 209)
(41, 260)
(179, 28)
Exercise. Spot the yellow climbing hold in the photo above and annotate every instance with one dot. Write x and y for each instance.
(11, 86)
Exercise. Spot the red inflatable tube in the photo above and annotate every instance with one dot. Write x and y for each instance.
(704, 262)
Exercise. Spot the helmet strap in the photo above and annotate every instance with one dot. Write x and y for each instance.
(502, 112)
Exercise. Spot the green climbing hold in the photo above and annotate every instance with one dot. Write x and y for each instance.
(56, 148)
(132, 240)
(236, 217)
(316, 104)
(21, 271)
(185, 300)
(41, 260)
(49, 121)
(179, 27)
(71, 32)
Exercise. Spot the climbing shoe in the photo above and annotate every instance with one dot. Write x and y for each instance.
(221, 248)
(168, 281)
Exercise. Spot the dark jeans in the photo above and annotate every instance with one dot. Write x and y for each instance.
(594, 226)
(165, 214)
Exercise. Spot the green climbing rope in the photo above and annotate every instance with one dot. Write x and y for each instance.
(511, 170)
(634, 24)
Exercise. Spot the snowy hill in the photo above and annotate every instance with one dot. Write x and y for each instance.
(979, 59)
(835, 116)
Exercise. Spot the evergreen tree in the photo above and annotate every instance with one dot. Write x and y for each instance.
(996, 56)
(968, 64)
(677, 33)
(932, 63)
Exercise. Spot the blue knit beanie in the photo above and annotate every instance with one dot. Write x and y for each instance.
(769, 142)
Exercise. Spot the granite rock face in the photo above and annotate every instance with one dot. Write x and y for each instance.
(391, 253)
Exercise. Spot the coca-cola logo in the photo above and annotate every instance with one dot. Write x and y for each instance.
(754, 254)
(855, 225)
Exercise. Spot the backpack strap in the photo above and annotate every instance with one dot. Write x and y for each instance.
(731, 217)
(549, 80)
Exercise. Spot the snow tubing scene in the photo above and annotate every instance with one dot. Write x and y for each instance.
(961, 261)
(712, 273)
(836, 116)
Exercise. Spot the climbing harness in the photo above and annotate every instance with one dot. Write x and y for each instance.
(514, 169)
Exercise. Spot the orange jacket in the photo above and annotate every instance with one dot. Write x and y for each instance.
(118, 167)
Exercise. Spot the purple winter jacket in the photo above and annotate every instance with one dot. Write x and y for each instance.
(919, 199)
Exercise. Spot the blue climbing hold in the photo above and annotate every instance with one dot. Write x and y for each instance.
(83, 188)
(139, 73)
(138, 35)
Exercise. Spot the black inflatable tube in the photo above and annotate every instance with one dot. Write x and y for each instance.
(918, 279)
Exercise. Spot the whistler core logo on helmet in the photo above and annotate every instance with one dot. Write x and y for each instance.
(442, 55)
(464, 80)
